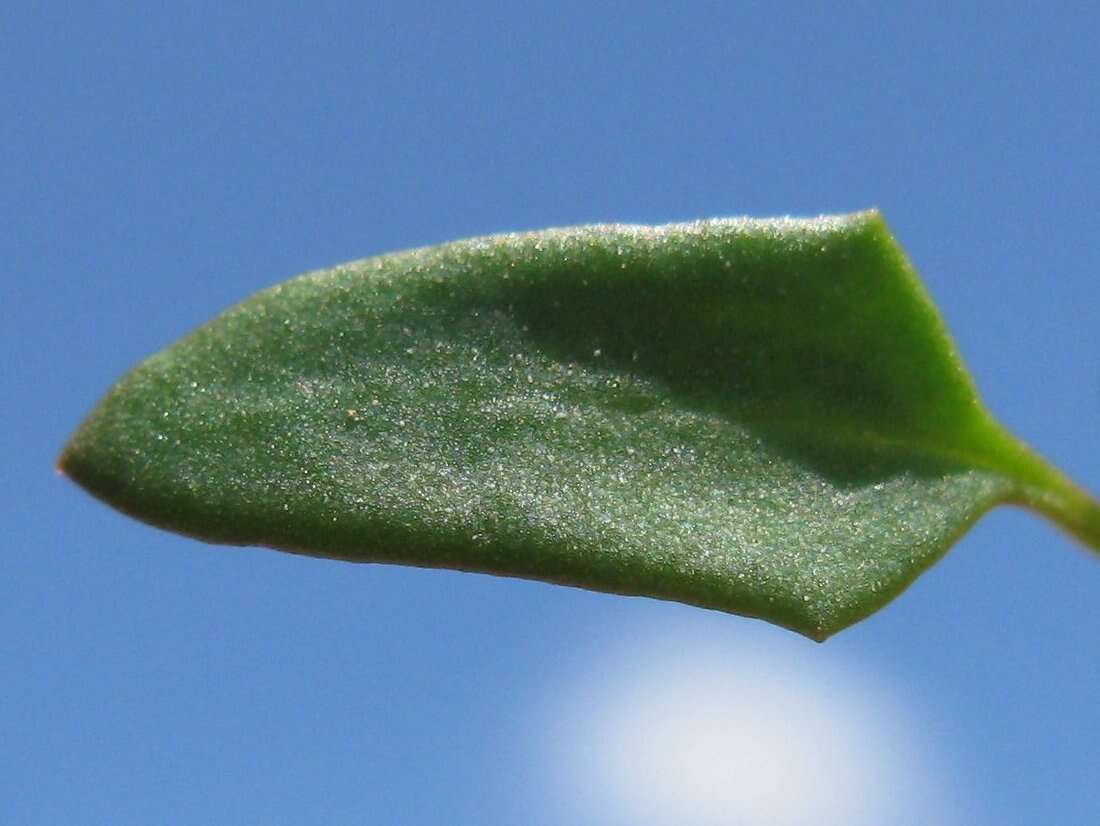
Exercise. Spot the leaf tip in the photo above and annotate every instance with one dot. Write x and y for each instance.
(91, 459)
(72, 463)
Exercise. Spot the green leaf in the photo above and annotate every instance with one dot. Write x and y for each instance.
(762, 417)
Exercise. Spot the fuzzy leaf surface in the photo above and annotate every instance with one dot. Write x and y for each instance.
(765, 417)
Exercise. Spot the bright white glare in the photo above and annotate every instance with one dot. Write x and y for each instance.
(678, 730)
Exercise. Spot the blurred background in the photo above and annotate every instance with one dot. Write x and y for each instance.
(159, 165)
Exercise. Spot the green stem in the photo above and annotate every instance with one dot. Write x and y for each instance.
(1047, 490)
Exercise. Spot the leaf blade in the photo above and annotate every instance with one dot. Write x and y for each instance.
(765, 417)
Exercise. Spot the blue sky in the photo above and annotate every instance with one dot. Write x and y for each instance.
(159, 165)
